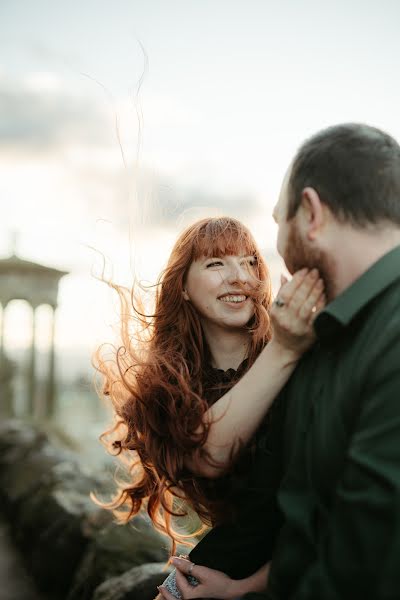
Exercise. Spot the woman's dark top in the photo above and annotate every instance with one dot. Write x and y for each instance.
(242, 543)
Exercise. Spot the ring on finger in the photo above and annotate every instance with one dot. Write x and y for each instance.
(279, 302)
(191, 568)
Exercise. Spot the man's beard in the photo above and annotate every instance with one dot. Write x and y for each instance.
(299, 255)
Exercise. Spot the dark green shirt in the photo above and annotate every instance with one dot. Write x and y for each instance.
(340, 494)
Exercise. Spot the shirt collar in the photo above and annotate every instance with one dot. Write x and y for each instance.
(340, 312)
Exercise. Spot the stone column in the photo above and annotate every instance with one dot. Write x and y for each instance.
(3, 312)
(32, 368)
(51, 385)
(6, 373)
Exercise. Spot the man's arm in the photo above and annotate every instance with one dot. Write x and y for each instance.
(358, 554)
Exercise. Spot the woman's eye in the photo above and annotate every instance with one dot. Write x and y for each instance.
(252, 262)
(215, 263)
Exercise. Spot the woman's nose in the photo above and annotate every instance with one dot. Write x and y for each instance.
(238, 273)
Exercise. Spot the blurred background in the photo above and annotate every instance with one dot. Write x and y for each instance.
(122, 122)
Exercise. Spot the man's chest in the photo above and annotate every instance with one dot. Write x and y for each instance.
(324, 405)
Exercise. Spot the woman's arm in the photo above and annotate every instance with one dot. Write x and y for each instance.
(235, 417)
(255, 583)
(214, 584)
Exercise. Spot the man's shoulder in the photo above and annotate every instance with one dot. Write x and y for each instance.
(389, 295)
(373, 326)
(382, 316)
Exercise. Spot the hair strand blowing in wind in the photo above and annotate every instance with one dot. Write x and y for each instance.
(154, 380)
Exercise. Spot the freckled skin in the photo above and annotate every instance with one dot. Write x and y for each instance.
(210, 278)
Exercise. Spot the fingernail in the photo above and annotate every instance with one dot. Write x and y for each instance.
(303, 271)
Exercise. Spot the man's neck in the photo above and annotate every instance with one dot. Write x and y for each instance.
(357, 251)
(228, 348)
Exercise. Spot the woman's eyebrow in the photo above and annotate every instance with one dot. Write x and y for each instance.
(211, 258)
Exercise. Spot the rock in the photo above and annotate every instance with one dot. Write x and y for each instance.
(47, 498)
(25, 473)
(70, 545)
(16, 584)
(26, 460)
(50, 532)
(114, 550)
(18, 435)
(139, 583)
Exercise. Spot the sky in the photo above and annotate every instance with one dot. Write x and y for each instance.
(121, 122)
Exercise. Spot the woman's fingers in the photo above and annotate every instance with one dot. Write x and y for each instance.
(292, 318)
(307, 307)
(288, 289)
(184, 565)
(185, 568)
(165, 593)
(188, 590)
(303, 291)
(320, 305)
(210, 582)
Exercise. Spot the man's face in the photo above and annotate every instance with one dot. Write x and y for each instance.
(289, 243)
(297, 253)
(294, 247)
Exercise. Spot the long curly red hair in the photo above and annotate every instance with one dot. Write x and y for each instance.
(155, 381)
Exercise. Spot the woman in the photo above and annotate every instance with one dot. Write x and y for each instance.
(186, 436)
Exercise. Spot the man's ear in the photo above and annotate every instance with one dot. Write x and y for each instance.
(185, 295)
(313, 212)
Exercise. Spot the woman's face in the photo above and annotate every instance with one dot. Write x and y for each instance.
(217, 289)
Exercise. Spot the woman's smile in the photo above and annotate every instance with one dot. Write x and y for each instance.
(217, 289)
(231, 298)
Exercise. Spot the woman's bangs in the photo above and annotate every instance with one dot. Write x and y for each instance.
(222, 237)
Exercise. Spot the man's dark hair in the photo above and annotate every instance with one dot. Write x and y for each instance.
(355, 169)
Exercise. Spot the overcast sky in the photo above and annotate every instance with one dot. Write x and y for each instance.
(120, 122)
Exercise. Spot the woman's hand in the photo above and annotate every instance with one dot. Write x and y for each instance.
(294, 310)
(212, 583)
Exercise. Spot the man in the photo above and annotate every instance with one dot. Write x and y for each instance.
(339, 211)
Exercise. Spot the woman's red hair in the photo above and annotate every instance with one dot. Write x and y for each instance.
(155, 379)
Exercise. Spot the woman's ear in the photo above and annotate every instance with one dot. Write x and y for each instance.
(185, 295)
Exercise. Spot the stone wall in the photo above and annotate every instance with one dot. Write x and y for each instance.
(73, 549)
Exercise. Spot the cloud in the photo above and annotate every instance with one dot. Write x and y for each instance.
(150, 199)
(41, 114)
(173, 201)
(46, 54)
